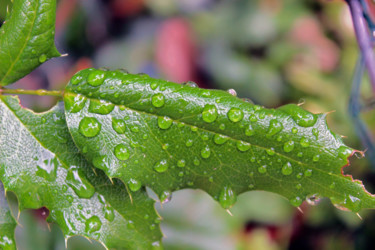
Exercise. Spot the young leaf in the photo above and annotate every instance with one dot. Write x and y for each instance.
(7, 223)
(41, 165)
(26, 38)
(168, 136)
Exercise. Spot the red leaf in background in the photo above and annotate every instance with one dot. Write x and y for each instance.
(175, 50)
(123, 8)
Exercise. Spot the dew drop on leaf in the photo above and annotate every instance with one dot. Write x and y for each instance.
(109, 213)
(296, 201)
(294, 130)
(227, 197)
(288, 146)
(344, 152)
(42, 58)
(206, 152)
(165, 197)
(93, 224)
(209, 113)
(189, 143)
(74, 103)
(308, 172)
(96, 78)
(316, 158)
(121, 152)
(118, 125)
(249, 131)
(235, 115)
(89, 126)
(161, 166)
(181, 163)
(196, 162)
(270, 151)
(262, 169)
(220, 139)
(304, 142)
(313, 199)
(275, 127)
(243, 146)
(164, 122)
(134, 185)
(158, 100)
(81, 186)
(232, 92)
(101, 107)
(76, 79)
(287, 169)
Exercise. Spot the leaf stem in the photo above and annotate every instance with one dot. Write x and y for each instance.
(40, 92)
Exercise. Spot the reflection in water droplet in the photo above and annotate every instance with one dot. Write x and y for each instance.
(134, 185)
(308, 172)
(209, 113)
(161, 166)
(118, 125)
(121, 152)
(164, 122)
(101, 107)
(189, 143)
(96, 78)
(313, 199)
(232, 92)
(227, 197)
(158, 100)
(89, 127)
(190, 84)
(235, 115)
(316, 158)
(47, 169)
(74, 103)
(270, 151)
(81, 186)
(166, 197)
(93, 224)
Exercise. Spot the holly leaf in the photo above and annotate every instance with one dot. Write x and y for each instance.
(150, 132)
(26, 38)
(41, 165)
(7, 223)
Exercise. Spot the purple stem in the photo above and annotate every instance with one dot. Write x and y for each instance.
(363, 38)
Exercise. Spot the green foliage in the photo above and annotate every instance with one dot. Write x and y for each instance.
(26, 38)
(7, 223)
(41, 165)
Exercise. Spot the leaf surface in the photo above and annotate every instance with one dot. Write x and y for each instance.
(41, 165)
(26, 38)
(7, 223)
(150, 132)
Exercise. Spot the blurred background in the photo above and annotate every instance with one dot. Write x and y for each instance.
(271, 51)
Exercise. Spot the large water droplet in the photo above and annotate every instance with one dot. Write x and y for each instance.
(232, 92)
(287, 169)
(243, 146)
(296, 201)
(164, 122)
(220, 139)
(74, 103)
(100, 107)
(121, 152)
(275, 127)
(42, 58)
(161, 166)
(93, 224)
(227, 197)
(81, 186)
(235, 115)
(96, 78)
(158, 100)
(288, 146)
(209, 113)
(300, 116)
(76, 79)
(134, 185)
(89, 126)
(118, 125)
(206, 152)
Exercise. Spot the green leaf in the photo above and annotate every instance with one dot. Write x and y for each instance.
(27, 38)
(41, 165)
(166, 136)
(7, 223)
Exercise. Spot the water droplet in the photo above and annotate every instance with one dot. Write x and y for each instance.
(134, 185)
(101, 162)
(74, 103)
(206, 152)
(354, 203)
(89, 126)
(156, 245)
(42, 58)
(315, 132)
(153, 85)
(109, 213)
(308, 172)
(161, 166)
(118, 125)
(100, 107)
(296, 201)
(299, 186)
(206, 93)
(190, 84)
(220, 139)
(121, 152)
(344, 152)
(209, 113)
(287, 169)
(313, 199)
(189, 143)
(243, 146)
(96, 78)
(222, 126)
(164, 122)
(93, 224)
(227, 197)
(205, 137)
(253, 118)
(196, 162)
(300, 116)
(316, 158)
(232, 92)
(130, 225)
(288, 146)
(81, 186)
(332, 186)
(270, 151)
(181, 163)
(294, 130)
(304, 142)
(300, 154)
(158, 100)
(235, 115)
(165, 197)
(249, 131)
(47, 169)
(262, 169)
(275, 127)
(76, 79)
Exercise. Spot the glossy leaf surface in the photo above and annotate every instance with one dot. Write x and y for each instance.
(7, 223)
(41, 165)
(26, 38)
(150, 132)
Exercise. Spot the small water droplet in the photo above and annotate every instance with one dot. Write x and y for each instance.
(211, 179)
(164, 122)
(288, 146)
(206, 152)
(274, 128)
(253, 118)
(299, 186)
(161, 166)
(287, 169)
(222, 126)
(220, 139)
(227, 197)
(354, 203)
(332, 186)
(96, 78)
(296, 201)
(316, 158)
(315, 132)
(308, 172)
(190, 84)
(42, 58)
(165, 197)
(134, 185)
(189, 143)
(74, 103)
(205, 137)
(81, 186)
(89, 126)
(232, 92)
(93, 224)
(344, 152)
(109, 213)
(294, 130)
(249, 131)
(209, 113)
(270, 151)
(121, 152)
(243, 146)
(196, 162)
(262, 169)
(101, 107)
(118, 125)
(47, 169)
(300, 116)
(158, 100)
(235, 115)
(181, 163)
(153, 85)
(130, 225)
(304, 142)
